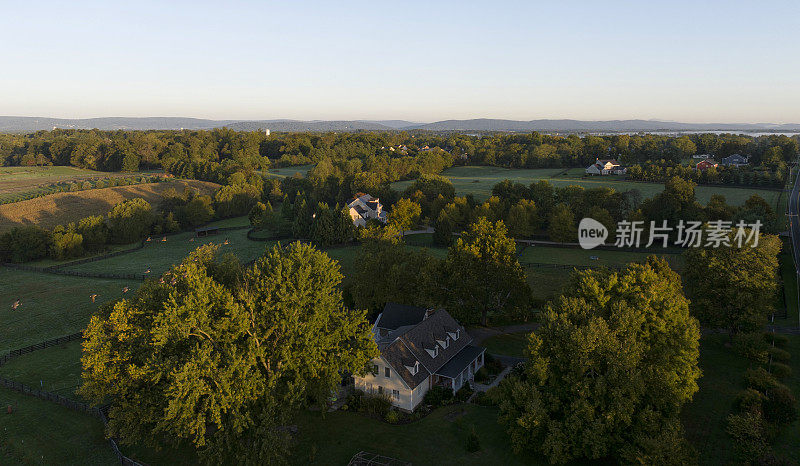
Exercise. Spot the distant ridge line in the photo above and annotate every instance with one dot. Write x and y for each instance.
(16, 124)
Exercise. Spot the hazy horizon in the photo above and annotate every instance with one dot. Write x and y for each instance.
(711, 62)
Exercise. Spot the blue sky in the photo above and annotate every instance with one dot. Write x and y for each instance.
(692, 61)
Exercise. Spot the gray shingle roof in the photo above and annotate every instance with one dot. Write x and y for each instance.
(424, 336)
(399, 356)
(398, 315)
(459, 362)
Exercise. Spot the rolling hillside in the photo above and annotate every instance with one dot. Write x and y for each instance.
(61, 208)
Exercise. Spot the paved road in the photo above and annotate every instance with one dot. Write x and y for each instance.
(794, 222)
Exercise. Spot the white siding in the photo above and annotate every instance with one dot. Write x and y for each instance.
(407, 399)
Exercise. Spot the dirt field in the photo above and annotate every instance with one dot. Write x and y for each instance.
(61, 208)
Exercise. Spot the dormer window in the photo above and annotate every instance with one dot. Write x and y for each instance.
(454, 335)
(433, 352)
(444, 343)
(413, 369)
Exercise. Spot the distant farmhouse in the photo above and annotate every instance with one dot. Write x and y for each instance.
(706, 164)
(606, 167)
(364, 207)
(420, 348)
(702, 156)
(735, 160)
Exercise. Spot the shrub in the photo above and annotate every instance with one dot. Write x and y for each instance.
(779, 355)
(438, 395)
(751, 346)
(779, 405)
(464, 392)
(749, 434)
(760, 379)
(749, 400)
(392, 417)
(354, 400)
(377, 404)
(781, 371)
(473, 443)
(482, 375)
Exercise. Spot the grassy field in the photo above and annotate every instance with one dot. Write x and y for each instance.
(56, 369)
(508, 344)
(159, 256)
(43, 433)
(574, 256)
(289, 171)
(50, 305)
(723, 378)
(479, 181)
(61, 208)
(437, 439)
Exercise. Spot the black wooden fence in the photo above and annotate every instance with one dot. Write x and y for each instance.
(38, 346)
(55, 397)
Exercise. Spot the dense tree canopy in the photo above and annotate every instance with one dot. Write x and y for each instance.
(734, 287)
(217, 357)
(484, 277)
(608, 371)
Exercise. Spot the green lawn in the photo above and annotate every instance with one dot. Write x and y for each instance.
(508, 344)
(50, 305)
(479, 181)
(56, 369)
(44, 433)
(575, 256)
(289, 171)
(437, 439)
(159, 256)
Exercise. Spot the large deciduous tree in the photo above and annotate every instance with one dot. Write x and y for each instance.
(405, 214)
(484, 276)
(608, 371)
(734, 287)
(218, 357)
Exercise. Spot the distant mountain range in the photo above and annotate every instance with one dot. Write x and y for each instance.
(9, 124)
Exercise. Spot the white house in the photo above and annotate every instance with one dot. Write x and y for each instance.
(420, 348)
(735, 160)
(605, 167)
(364, 207)
(702, 156)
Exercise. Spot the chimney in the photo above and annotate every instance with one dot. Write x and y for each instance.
(428, 312)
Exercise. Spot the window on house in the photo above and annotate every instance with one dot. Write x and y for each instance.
(386, 372)
(374, 369)
(380, 389)
(395, 394)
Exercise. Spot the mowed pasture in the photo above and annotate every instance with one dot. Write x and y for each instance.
(42, 432)
(50, 305)
(56, 369)
(288, 171)
(62, 208)
(479, 182)
(16, 181)
(158, 256)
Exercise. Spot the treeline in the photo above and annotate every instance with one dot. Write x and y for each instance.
(213, 154)
(661, 171)
(542, 209)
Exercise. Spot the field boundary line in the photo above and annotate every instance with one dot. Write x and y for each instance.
(39, 346)
(55, 397)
